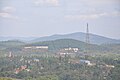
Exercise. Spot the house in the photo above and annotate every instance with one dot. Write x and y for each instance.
(87, 62)
(10, 55)
(68, 51)
(110, 66)
(71, 49)
(20, 69)
(36, 60)
(36, 47)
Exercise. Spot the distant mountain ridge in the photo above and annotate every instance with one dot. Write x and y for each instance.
(16, 38)
(80, 36)
(94, 39)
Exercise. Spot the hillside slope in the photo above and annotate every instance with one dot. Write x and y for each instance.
(94, 39)
(63, 43)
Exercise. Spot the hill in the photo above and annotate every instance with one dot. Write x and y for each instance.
(10, 44)
(94, 39)
(114, 48)
(58, 44)
(64, 43)
(16, 38)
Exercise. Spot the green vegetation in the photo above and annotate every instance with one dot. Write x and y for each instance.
(66, 68)
(63, 43)
(6, 79)
(36, 64)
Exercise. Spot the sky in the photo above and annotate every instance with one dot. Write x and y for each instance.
(37, 18)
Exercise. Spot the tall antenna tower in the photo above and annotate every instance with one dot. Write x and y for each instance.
(87, 35)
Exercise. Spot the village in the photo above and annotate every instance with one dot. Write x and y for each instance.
(67, 58)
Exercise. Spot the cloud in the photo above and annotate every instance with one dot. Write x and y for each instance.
(83, 17)
(92, 16)
(7, 12)
(9, 9)
(7, 15)
(116, 13)
(46, 2)
(99, 2)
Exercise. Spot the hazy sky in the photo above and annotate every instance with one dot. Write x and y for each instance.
(47, 17)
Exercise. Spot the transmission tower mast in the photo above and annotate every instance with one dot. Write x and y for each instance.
(87, 35)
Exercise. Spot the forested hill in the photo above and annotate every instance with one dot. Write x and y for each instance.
(60, 44)
(10, 44)
(113, 47)
(94, 39)
(64, 43)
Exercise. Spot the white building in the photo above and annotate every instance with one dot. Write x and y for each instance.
(36, 47)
